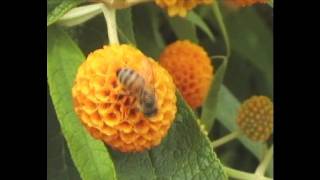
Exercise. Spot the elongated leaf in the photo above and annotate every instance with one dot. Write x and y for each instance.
(90, 156)
(58, 159)
(60, 9)
(185, 153)
(146, 30)
(251, 38)
(209, 107)
(183, 28)
(227, 112)
(125, 26)
(199, 22)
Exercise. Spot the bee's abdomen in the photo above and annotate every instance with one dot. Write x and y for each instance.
(129, 78)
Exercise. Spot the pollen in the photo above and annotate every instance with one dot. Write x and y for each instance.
(191, 69)
(109, 113)
(255, 118)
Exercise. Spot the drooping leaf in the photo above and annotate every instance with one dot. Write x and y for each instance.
(251, 38)
(183, 28)
(59, 165)
(59, 8)
(125, 26)
(199, 22)
(90, 156)
(146, 30)
(209, 107)
(79, 15)
(185, 153)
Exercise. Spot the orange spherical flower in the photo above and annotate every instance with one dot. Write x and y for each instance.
(190, 68)
(243, 3)
(110, 112)
(180, 7)
(255, 118)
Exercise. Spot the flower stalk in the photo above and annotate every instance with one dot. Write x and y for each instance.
(226, 139)
(261, 169)
(110, 17)
(243, 175)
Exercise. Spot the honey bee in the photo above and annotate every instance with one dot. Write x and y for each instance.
(138, 85)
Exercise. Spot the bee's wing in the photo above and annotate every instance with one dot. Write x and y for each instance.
(146, 71)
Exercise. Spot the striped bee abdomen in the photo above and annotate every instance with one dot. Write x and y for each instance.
(135, 84)
(130, 79)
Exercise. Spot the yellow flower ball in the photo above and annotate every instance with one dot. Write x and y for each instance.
(243, 3)
(180, 7)
(109, 113)
(191, 69)
(255, 118)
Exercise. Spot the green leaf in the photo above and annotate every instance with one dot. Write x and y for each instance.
(59, 165)
(198, 21)
(185, 153)
(183, 28)
(251, 38)
(90, 156)
(59, 9)
(80, 15)
(227, 110)
(125, 26)
(209, 107)
(149, 40)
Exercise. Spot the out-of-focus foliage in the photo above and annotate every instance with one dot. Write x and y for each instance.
(249, 72)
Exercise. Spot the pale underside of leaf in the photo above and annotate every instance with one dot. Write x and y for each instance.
(60, 9)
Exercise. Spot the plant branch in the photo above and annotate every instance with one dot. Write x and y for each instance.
(270, 3)
(243, 175)
(226, 139)
(265, 162)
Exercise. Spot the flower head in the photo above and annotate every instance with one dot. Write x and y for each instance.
(180, 7)
(191, 70)
(255, 118)
(109, 111)
(243, 3)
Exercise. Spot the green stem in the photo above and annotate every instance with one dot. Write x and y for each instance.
(270, 3)
(265, 162)
(243, 175)
(219, 57)
(226, 139)
(110, 16)
(218, 15)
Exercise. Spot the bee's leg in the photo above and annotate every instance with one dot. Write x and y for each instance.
(125, 113)
(120, 95)
(138, 107)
